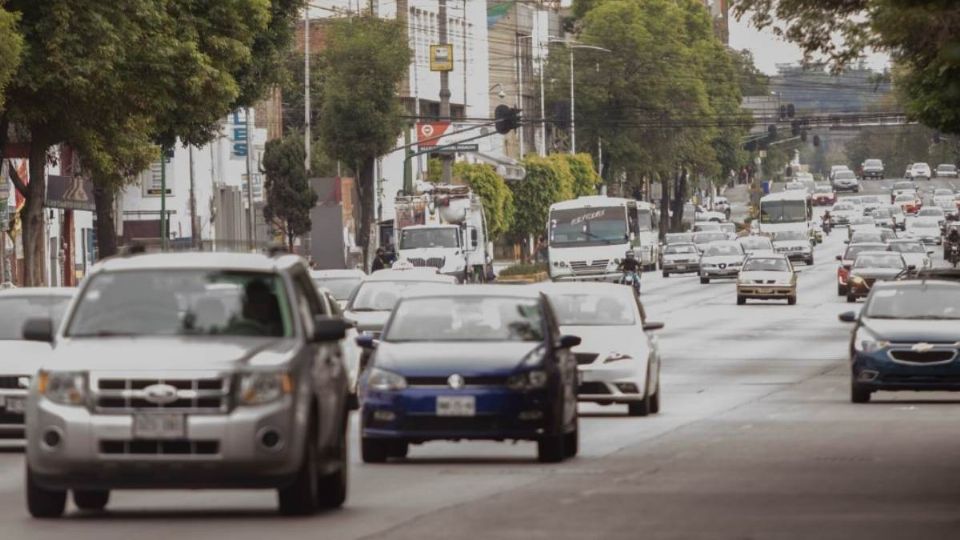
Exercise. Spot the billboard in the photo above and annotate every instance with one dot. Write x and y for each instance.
(69, 193)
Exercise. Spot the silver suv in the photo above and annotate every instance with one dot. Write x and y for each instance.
(189, 371)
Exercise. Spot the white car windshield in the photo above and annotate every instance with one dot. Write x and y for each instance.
(927, 301)
(595, 309)
(465, 318)
(868, 260)
(340, 288)
(182, 302)
(925, 224)
(381, 295)
(722, 250)
(15, 310)
(907, 247)
(766, 265)
(756, 242)
(679, 248)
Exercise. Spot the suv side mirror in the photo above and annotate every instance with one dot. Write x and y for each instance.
(650, 326)
(38, 330)
(568, 342)
(366, 342)
(329, 328)
(848, 316)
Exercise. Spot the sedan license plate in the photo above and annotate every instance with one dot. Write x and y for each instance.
(456, 406)
(159, 426)
(681, 267)
(764, 291)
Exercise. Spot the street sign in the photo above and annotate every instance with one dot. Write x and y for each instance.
(441, 57)
(454, 148)
(428, 133)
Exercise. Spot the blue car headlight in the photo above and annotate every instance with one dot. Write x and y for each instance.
(528, 380)
(866, 341)
(385, 381)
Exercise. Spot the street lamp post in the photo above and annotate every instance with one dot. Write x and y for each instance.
(571, 45)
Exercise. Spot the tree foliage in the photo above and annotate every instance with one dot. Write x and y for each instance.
(585, 177)
(493, 191)
(360, 119)
(288, 192)
(921, 36)
(11, 44)
(544, 184)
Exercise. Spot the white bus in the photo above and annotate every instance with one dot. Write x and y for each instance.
(588, 237)
(785, 211)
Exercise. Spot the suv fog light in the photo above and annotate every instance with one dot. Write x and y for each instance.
(52, 438)
(531, 415)
(270, 439)
(384, 416)
(627, 388)
(867, 375)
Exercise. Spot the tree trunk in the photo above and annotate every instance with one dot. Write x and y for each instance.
(664, 203)
(290, 236)
(679, 198)
(366, 185)
(34, 231)
(103, 197)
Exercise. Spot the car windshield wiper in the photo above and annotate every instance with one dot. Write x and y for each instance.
(600, 238)
(104, 333)
(930, 318)
(362, 309)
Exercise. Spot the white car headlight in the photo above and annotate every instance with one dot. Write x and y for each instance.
(63, 387)
(259, 387)
(385, 381)
(866, 342)
(616, 357)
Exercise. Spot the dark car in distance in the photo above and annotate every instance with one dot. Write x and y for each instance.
(906, 338)
(472, 363)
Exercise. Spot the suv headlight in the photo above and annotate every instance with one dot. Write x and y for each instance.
(63, 387)
(528, 380)
(385, 381)
(866, 342)
(259, 387)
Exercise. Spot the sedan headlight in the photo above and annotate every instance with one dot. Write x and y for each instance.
(63, 387)
(866, 342)
(259, 387)
(616, 357)
(385, 381)
(528, 380)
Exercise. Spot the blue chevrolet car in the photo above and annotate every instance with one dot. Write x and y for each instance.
(470, 362)
(906, 337)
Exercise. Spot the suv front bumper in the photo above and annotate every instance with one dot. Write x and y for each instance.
(100, 451)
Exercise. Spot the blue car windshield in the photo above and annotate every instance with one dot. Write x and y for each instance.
(465, 318)
(920, 301)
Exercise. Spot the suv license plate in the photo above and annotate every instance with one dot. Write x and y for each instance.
(456, 406)
(12, 404)
(159, 426)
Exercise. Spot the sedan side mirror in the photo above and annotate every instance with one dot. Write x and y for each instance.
(366, 342)
(568, 342)
(848, 316)
(329, 328)
(651, 326)
(38, 330)
(839, 257)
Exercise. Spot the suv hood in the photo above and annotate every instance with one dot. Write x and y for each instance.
(170, 353)
(22, 357)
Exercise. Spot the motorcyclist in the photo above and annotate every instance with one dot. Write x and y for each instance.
(630, 266)
(953, 238)
(827, 222)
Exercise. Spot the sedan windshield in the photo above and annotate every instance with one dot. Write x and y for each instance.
(446, 237)
(466, 318)
(766, 265)
(905, 197)
(926, 301)
(864, 237)
(756, 242)
(15, 310)
(679, 248)
(845, 175)
(595, 309)
(707, 237)
(381, 295)
(340, 288)
(907, 247)
(678, 238)
(925, 224)
(878, 261)
(183, 302)
(722, 250)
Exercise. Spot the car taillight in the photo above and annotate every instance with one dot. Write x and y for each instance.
(842, 274)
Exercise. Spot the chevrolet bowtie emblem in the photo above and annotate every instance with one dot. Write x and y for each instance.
(922, 347)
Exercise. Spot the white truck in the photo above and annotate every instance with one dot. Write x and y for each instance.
(444, 228)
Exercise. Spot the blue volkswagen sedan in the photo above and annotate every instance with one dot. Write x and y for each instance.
(906, 337)
(470, 362)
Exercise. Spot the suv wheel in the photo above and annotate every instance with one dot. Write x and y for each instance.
(94, 500)
(859, 394)
(791, 300)
(44, 503)
(301, 497)
(704, 280)
(399, 449)
(374, 450)
(571, 441)
(550, 448)
(655, 401)
(332, 487)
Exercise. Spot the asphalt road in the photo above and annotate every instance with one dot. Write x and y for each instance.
(757, 439)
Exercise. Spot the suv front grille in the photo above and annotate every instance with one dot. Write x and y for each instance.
(936, 356)
(468, 381)
(195, 395)
(435, 262)
(155, 447)
(12, 382)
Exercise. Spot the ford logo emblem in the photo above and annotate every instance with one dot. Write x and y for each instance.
(456, 381)
(160, 394)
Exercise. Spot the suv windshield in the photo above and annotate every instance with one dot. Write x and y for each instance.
(927, 301)
(182, 302)
(594, 309)
(15, 310)
(466, 319)
(445, 237)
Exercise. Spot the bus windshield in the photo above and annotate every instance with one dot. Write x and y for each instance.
(783, 212)
(588, 226)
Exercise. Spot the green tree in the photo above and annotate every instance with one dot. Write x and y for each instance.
(753, 82)
(289, 195)
(920, 34)
(585, 178)
(11, 44)
(544, 184)
(365, 60)
(493, 192)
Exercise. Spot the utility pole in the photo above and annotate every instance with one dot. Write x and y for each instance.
(194, 223)
(445, 159)
(520, 87)
(251, 230)
(306, 89)
(163, 199)
(543, 112)
(573, 102)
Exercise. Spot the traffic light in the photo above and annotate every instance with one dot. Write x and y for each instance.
(795, 127)
(816, 140)
(507, 119)
(803, 135)
(791, 110)
(772, 132)
(783, 112)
